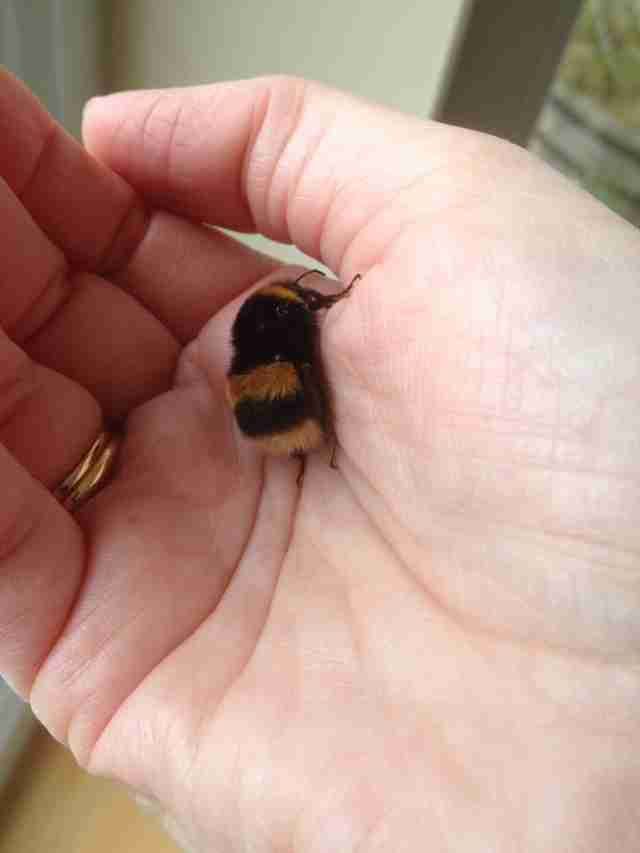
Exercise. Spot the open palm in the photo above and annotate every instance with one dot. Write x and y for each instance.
(435, 646)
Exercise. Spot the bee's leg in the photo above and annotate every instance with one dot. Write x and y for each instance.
(302, 458)
(334, 450)
(317, 301)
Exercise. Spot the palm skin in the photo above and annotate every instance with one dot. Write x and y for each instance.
(435, 646)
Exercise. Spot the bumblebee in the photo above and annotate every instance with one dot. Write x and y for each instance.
(277, 385)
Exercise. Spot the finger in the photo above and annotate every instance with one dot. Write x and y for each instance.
(180, 271)
(108, 343)
(46, 421)
(295, 161)
(41, 566)
(91, 214)
(185, 272)
(81, 325)
(183, 185)
(33, 272)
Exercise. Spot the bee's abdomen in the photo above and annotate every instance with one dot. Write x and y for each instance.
(272, 407)
(260, 417)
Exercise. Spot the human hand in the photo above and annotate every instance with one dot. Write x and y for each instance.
(435, 646)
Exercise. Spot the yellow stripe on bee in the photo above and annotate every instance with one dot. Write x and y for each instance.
(266, 382)
(281, 291)
(300, 439)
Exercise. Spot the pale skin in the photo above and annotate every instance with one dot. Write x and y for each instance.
(434, 647)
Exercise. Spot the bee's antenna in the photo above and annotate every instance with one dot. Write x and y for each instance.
(308, 272)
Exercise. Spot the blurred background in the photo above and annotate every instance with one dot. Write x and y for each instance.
(562, 78)
(590, 125)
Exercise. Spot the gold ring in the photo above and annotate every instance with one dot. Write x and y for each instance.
(90, 473)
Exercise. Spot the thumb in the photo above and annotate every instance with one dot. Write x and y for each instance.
(294, 160)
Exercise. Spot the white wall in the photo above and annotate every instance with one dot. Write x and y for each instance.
(396, 53)
(55, 47)
(16, 725)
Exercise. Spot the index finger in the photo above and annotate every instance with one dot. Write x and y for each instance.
(89, 212)
(60, 206)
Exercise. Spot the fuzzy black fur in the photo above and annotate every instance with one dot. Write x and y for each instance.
(269, 329)
(258, 418)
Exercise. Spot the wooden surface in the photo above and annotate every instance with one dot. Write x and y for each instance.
(50, 805)
(505, 62)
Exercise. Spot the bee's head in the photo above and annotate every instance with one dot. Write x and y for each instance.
(266, 313)
(272, 325)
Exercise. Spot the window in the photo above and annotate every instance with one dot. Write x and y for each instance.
(589, 127)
